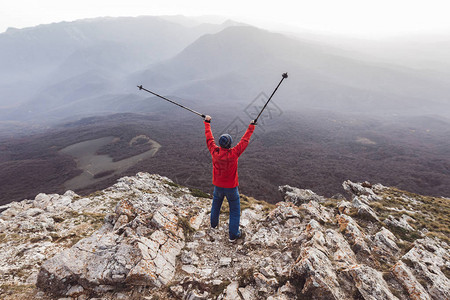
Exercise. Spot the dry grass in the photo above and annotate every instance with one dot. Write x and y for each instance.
(430, 213)
(247, 202)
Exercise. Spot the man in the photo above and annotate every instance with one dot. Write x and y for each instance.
(225, 175)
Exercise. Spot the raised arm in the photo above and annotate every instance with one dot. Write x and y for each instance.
(210, 143)
(243, 143)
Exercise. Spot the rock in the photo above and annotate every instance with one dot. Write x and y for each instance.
(190, 269)
(386, 241)
(113, 257)
(352, 231)
(147, 238)
(361, 189)
(75, 291)
(317, 275)
(343, 255)
(232, 291)
(344, 207)
(406, 278)
(284, 211)
(364, 210)
(287, 288)
(177, 290)
(248, 293)
(370, 283)
(427, 258)
(195, 295)
(317, 211)
(197, 220)
(225, 261)
(298, 196)
(399, 223)
(248, 216)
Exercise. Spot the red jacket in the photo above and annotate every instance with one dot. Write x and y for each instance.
(225, 161)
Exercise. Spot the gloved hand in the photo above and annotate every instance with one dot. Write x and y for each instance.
(208, 118)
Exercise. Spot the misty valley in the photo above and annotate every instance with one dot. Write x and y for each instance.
(314, 150)
(345, 112)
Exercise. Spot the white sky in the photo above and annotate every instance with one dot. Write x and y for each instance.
(350, 17)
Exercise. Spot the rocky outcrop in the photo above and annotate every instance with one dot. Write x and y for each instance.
(298, 196)
(147, 238)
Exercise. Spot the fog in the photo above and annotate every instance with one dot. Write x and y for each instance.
(65, 71)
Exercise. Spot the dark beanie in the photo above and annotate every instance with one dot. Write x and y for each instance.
(225, 141)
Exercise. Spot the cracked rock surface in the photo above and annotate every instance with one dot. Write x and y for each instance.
(148, 238)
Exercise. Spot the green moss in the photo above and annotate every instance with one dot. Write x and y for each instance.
(188, 230)
(171, 183)
(2, 237)
(58, 219)
(409, 236)
(446, 271)
(95, 218)
(246, 277)
(199, 194)
(216, 290)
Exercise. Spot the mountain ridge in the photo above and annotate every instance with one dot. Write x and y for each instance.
(147, 236)
(210, 63)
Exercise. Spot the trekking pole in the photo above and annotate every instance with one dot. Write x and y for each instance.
(284, 75)
(187, 108)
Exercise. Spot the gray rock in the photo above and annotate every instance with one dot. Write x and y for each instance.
(361, 189)
(386, 241)
(427, 258)
(365, 211)
(344, 207)
(316, 271)
(248, 293)
(409, 282)
(353, 232)
(317, 211)
(321, 253)
(232, 291)
(370, 283)
(225, 261)
(399, 223)
(298, 196)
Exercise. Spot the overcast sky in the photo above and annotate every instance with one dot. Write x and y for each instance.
(350, 17)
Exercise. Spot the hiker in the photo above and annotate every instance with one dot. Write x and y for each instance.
(225, 175)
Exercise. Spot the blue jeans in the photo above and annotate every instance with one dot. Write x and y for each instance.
(232, 195)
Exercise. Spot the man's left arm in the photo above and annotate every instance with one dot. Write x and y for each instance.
(210, 143)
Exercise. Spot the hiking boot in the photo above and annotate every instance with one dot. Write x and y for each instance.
(240, 237)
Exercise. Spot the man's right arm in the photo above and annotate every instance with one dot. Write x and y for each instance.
(243, 143)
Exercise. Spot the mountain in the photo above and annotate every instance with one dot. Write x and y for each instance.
(65, 71)
(321, 77)
(36, 61)
(147, 237)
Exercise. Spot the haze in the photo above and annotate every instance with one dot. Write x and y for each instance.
(348, 17)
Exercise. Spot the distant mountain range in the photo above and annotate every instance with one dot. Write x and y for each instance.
(91, 67)
(44, 68)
